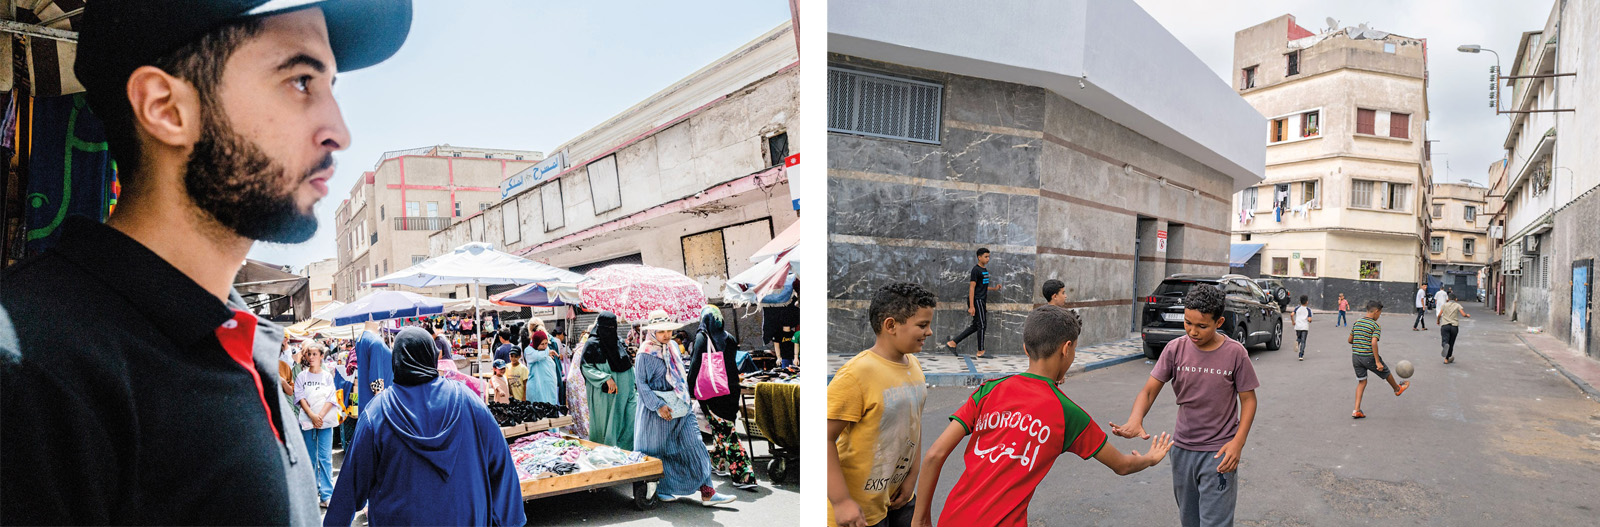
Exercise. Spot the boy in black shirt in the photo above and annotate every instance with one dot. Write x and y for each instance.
(978, 287)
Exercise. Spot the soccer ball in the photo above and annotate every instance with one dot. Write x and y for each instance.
(1403, 369)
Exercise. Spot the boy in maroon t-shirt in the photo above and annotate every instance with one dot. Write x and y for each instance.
(1019, 424)
(1215, 385)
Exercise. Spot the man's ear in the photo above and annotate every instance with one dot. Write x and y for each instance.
(165, 108)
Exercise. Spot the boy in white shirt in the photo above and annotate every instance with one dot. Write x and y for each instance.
(1302, 325)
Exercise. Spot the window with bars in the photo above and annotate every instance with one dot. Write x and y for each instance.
(1438, 210)
(1248, 201)
(879, 105)
(1361, 193)
(1371, 270)
(1294, 63)
(1280, 266)
(1366, 121)
(1544, 271)
(418, 258)
(1469, 246)
(1308, 267)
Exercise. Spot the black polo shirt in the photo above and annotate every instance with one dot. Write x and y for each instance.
(125, 407)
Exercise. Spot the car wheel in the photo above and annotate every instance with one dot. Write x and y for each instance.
(1152, 351)
(1240, 333)
(1277, 338)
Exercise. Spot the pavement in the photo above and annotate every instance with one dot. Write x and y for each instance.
(1501, 437)
(943, 368)
(614, 505)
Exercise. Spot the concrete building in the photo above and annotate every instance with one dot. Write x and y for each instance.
(320, 275)
(690, 179)
(1036, 129)
(1458, 236)
(1342, 209)
(1551, 204)
(1494, 204)
(384, 225)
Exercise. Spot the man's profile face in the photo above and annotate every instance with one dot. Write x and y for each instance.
(265, 152)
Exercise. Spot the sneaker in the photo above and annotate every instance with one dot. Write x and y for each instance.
(717, 499)
(666, 497)
(323, 504)
(1302, 357)
(1402, 389)
(721, 473)
(745, 486)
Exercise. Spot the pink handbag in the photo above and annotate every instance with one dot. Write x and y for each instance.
(708, 384)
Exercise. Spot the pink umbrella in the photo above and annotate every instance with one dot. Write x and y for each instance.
(633, 291)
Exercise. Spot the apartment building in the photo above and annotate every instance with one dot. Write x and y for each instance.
(320, 279)
(1458, 236)
(409, 194)
(1343, 208)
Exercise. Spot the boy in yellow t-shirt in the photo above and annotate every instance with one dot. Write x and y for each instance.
(517, 376)
(875, 414)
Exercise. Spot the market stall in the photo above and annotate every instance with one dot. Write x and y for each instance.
(770, 402)
(551, 464)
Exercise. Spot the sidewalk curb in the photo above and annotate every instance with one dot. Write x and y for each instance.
(1582, 385)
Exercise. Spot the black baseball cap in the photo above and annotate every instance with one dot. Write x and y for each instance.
(116, 37)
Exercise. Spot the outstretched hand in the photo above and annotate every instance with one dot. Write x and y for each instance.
(1230, 457)
(1130, 430)
(1158, 448)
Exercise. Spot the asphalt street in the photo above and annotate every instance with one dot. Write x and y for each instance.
(1497, 438)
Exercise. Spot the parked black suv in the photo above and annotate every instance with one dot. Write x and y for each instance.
(1251, 318)
(1280, 295)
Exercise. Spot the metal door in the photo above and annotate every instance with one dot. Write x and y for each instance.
(1582, 285)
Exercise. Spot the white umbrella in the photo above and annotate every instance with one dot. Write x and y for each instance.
(461, 304)
(478, 264)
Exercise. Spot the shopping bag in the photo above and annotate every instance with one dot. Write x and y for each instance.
(713, 378)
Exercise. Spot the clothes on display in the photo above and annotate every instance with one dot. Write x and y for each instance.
(516, 411)
(783, 375)
(547, 454)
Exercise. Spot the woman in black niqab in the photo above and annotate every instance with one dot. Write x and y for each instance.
(613, 398)
(606, 346)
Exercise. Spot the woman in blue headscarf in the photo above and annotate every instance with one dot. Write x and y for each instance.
(666, 428)
(426, 452)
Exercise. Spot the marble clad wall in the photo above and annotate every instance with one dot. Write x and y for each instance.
(1032, 176)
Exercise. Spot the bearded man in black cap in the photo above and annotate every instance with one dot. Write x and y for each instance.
(158, 402)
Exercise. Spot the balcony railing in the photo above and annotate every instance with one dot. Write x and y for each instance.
(421, 223)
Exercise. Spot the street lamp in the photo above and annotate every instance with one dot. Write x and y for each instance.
(1495, 77)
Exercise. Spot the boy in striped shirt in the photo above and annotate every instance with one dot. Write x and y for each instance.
(1364, 336)
(1019, 424)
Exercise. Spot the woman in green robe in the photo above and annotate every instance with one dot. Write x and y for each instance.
(608, 370)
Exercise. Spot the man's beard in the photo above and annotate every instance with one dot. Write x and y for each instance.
(231, 180)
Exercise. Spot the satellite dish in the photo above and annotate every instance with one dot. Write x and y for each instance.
(1360, 32)
(1333, 25)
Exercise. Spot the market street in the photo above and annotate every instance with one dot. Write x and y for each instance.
(1498, 438)
(614, 506)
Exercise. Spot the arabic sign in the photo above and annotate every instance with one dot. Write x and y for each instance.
(789, 164)
(531, 176)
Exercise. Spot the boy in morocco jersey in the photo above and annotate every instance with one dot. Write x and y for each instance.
(1019, 424)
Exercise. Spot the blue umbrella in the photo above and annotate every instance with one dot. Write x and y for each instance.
(384, 305)
(534, 295)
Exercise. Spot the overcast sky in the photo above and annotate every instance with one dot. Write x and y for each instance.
(520, 75)
(1469, 134)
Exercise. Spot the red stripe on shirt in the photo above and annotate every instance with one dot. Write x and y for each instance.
(239, 341)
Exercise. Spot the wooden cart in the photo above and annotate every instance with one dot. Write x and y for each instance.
(638, 474)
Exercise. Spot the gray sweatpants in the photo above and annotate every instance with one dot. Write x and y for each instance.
(1205, 497)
